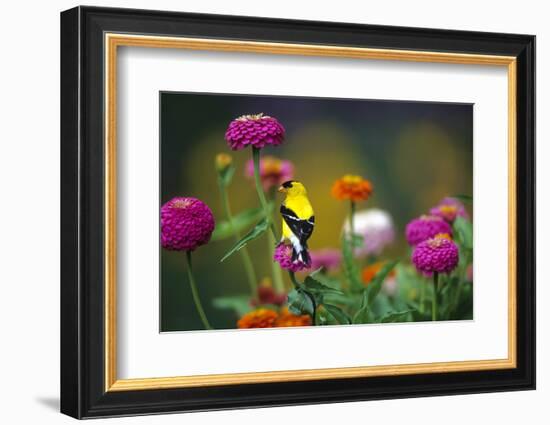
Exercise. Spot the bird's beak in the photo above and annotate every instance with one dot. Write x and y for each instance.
(281, 189)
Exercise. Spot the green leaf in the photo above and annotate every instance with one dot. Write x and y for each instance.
(463, 198)
(241, 221)
(350, 268)
(338, 314)
(315, 285)
(330, 281)
(226, 175)
(464, 232)
(363, 315)
(376, 284)
(323, 317)
(240, 304)
(347, 300)
(299, 302)
(255, 232)
(395, 316)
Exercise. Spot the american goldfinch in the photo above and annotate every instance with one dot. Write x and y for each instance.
(298, 219)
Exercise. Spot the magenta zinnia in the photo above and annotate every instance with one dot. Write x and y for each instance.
(435, 255)
(273, 171)
(425, 227)
(283, 255)
(257, 131)
(449, 209)
(185, 224)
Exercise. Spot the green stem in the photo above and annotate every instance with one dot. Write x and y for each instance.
(461, 278)
(272, 237)
(351, 225)
(300, 287)
(297, 285)
(276, 272)
(350, 240)
(422, 296)
(456, 295)
(245, 256)
(434, 299)
(260, 190)
(195, 292)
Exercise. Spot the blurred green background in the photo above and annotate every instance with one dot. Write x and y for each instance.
(414, 153)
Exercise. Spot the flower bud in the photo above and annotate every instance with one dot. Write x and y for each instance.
(223, 161)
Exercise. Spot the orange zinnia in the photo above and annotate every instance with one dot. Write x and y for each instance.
(351, 187)
(287, 319)
(371, 270)
(260, 318)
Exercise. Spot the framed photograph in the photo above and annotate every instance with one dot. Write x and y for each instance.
(261, 212)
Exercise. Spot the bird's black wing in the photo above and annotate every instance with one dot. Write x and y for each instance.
(301, 228)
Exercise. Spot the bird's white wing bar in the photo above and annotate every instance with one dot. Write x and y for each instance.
(291, 217)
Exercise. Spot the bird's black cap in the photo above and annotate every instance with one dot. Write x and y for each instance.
(288, 184)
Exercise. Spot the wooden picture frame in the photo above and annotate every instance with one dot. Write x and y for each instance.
(90, 38)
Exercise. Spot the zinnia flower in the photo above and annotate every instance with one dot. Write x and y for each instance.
(185, 224)
(283, 255)
(353, 188)
(376, 227)
(425, 227)
(257, 131)
(286, 319)
(267, 295)
(273, 171)
(435, 255)
(449, 209)
(327, 258)
(260, 318)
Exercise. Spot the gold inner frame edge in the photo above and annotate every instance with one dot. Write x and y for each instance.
(112, 41)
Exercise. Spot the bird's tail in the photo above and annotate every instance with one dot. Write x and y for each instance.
(305, 257)
(300, 253)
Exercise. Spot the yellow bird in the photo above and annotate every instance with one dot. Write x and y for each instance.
(298, 219)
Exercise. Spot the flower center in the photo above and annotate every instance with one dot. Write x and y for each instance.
(436, 242)
(253, 117)
(181, 203)
(351, 179)
(448, 209)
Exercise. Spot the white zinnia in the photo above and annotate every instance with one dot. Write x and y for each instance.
(377, 229)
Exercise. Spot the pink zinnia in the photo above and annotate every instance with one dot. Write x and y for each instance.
(185, 224)
(425, 227)
(435, 255)
(257, 131)
(283, 255)
(449, 209)
(328, 258)
(273, 171)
